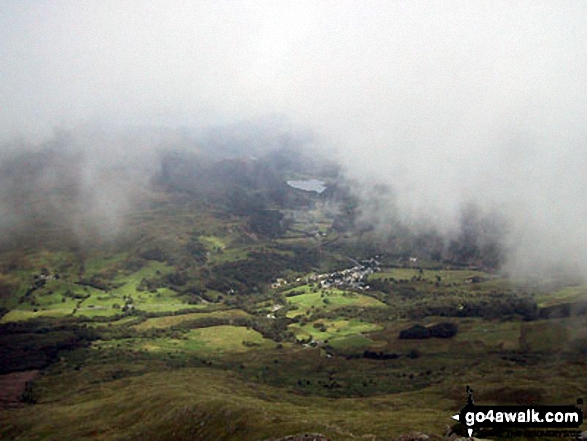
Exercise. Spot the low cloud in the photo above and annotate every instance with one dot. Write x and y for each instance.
(444, 104)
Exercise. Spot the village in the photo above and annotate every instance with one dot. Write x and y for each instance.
(351, 278)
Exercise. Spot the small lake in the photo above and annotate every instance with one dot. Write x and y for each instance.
(308, 185)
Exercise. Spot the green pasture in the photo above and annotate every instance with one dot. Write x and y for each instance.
(353, 342)
(457, 277)
(334, 328)
(215, 340)
(129, 282)
(213, 243)
(173, 320)
(229, 254)
(17, 315)
(328, 299)
(96, 263)
(567, 294)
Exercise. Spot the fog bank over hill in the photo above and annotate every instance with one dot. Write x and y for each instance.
(430, 108)
(534, 179)
(85, 183)
(80, 183)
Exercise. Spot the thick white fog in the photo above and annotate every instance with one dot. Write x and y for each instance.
(445, 102)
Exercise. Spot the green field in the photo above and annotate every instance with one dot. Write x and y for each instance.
(328, 299)
(172, 320)
(188, 372)
(334, 329)
(568, 294)
(215, 340)
(446, 276)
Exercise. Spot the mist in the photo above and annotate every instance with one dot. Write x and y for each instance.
(434, 105)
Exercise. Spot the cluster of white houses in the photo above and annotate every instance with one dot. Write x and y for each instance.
(351, 278)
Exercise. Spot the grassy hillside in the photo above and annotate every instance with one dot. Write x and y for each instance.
(260, 313)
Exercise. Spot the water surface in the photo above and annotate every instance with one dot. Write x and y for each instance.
(308, 185)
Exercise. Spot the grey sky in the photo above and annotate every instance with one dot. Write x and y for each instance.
(446, 101)
(375, 69)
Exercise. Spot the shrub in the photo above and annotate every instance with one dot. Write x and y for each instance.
(415, 332)
(444, 330)
(419, 332)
